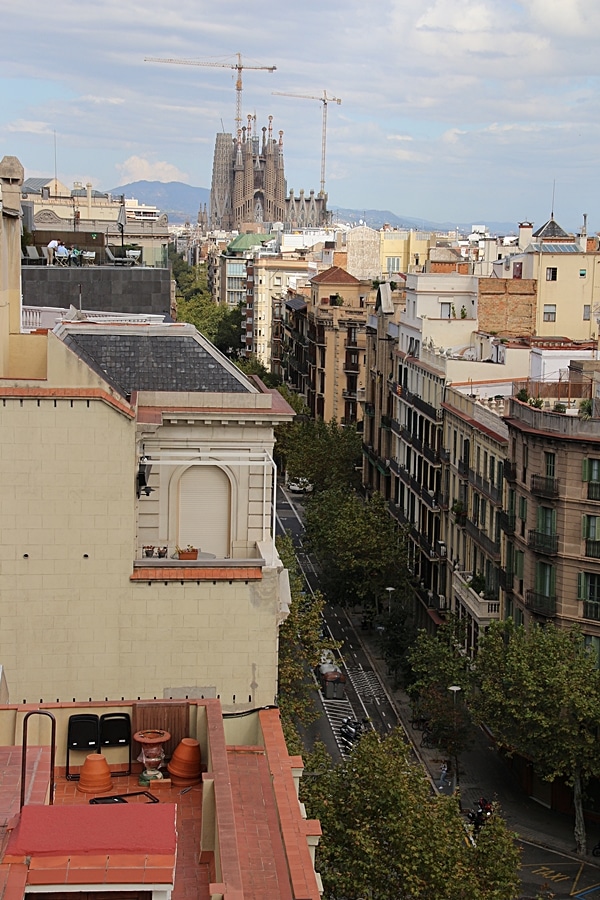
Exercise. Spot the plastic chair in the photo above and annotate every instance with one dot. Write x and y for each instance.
(82, 734)
(115, 731)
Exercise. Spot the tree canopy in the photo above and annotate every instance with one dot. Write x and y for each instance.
(360, 552)
(438, 663)
(539, 692)
(325, 453)
(386, 836)
(301, 644)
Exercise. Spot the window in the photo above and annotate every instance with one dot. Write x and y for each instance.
(582, 273)
(586, 312)
(551, 273)
(590, 527)
(550, 462)
(392, 264)
(492, 469)
(445, 310)
(523, 508)
(549, 312)
(546, 520)
(590, 470)
(545, 579)
(588, 586)
(517, 269)
(519, 563)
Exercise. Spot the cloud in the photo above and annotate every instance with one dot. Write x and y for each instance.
(137, 168)
(26, 126)
(399, 137)
(110, 101)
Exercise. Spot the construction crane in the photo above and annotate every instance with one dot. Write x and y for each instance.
(324, 100)
(239, 66)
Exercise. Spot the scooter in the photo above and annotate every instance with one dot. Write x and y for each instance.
(596, 850)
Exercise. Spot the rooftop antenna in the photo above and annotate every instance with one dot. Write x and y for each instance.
(222, 127)
(553, 191)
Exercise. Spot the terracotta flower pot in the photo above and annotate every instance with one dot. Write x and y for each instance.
(188, 554)
(185, 765)
(95, 775)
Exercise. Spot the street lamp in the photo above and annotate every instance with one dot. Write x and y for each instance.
(455, 688)
(389, 590)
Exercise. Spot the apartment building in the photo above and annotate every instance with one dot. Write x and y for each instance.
(120, 444)
(552, 560)
(475, 441)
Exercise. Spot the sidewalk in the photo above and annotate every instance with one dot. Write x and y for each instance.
(482, 772)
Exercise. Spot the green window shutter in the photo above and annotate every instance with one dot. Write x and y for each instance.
(540, 518)
(552, 581)
(511, 500)
(553, 522)
(584, 527)
(538, 578)
(585, 469)
(519, 558)
(582, 586)
(523, 508)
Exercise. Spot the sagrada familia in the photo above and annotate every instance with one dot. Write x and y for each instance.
(249, 186)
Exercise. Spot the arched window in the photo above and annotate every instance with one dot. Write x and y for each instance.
(204, 510)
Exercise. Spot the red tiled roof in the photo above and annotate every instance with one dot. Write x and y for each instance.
(335, 275)
(199, 573)
(52, 393)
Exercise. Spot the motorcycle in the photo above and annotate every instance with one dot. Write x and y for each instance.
(596, 850)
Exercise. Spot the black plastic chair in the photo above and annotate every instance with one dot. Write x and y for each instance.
(115, 731)
(82, 734)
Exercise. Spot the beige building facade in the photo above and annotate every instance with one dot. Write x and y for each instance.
(108, 447)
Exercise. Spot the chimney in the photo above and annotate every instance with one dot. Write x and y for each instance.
(525, 232)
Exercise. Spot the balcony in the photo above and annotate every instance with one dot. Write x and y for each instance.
(491, 547)
(386, 422)
(431, 455)
(444, 455)
(543, 543)
(593, 491)
(507, 580)
(544, 486)
(348, 394)
(352, 366)
(510, 470)
(369, 409)
(540, 604)
(463, 468)
(591, 610)
(482, 609)
(592, 548)
(507, 521)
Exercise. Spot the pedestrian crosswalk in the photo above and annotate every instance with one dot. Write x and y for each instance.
(336, 711)
(366, 683)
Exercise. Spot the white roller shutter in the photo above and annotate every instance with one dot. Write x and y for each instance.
(204, 507)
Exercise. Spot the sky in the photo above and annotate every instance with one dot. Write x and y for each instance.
(480, 110)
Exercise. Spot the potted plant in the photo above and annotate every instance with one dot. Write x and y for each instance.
(188, 553)
(161, 552)
(148, 550)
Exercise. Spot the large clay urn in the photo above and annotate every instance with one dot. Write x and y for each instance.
(185, 764)
(95, 775)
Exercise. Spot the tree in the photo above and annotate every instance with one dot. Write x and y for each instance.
(251, 365)
(386, 836)
(325, 453)
(396, 637)
(360, 551)
(539, 691)
(439, 663)
(301, 644)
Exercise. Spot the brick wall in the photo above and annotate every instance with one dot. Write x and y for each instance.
(507, 305)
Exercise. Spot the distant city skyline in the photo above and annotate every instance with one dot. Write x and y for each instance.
(449, 111)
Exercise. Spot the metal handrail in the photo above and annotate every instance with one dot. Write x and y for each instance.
(37, 712)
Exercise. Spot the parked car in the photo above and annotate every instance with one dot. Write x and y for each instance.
(299, 486)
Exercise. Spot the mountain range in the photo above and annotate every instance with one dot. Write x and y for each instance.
(181, 203)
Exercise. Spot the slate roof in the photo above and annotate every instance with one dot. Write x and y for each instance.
(551, 229)
(334, 275)
(154, 362)
(34, 185)
(296, 303)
